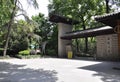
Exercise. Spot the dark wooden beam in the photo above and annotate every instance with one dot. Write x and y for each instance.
(89, 33)
(60, 19)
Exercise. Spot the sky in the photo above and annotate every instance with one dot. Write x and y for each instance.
(31, 11)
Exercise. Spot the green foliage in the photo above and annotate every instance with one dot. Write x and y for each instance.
(48, 32)
(43, 28)
(51, 52)
(53, 41)
(24, 52)
(19, 39)
(5, 11)
(9, 10)
(5, 14)
(20, 45)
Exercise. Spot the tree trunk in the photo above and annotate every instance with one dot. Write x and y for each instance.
(86, 44)
(86, 38)
(77, 45)
(107, 6)
(9, 28)
(7, 40)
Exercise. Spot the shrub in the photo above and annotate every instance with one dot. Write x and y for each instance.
(50, 49)
(20, 45)
(24, 52)
(1, 51)
(51, 52)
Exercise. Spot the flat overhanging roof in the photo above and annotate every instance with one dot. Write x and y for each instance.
(61, 19)
(89, 32)
(109, 19)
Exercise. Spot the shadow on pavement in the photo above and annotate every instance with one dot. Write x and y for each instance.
(105, 71)
(16, 73)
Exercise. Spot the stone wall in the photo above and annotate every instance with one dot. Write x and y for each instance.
(107, 47)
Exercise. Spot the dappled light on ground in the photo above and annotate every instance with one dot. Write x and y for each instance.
(105, 71)
(58, 70)
(16, 73)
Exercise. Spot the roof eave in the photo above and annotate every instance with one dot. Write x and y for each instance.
(60, 19)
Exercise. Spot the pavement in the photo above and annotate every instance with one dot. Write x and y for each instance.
(58, 70)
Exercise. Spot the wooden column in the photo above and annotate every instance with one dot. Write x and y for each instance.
(119, 42)
(118, 31)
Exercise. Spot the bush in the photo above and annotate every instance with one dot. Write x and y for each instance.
(50, 49)
(24, 52)
(51, 52)
(20, 45)
(1, 51)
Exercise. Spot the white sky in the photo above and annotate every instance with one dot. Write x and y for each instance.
(31, 11)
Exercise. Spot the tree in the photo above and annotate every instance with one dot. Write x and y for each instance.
(13, 6)
(44, 26)
(48, 33)
(19, 37)
(10, 25)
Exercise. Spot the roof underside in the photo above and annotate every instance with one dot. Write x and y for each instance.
(89, 33)
(109, 19)
(60, 19)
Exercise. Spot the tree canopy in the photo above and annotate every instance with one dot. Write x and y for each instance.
(8, 13)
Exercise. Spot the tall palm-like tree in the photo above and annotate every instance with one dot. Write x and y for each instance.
(16, 6)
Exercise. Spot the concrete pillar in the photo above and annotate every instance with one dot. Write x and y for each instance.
(62, 29)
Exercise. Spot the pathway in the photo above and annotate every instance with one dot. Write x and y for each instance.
(58, 70)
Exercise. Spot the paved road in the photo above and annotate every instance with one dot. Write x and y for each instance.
(58, 70)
